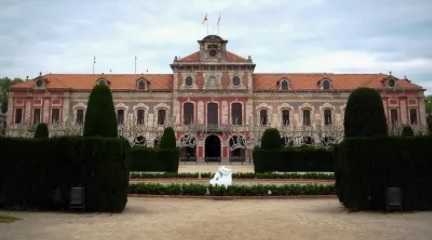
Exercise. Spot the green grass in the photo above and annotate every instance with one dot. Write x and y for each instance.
(7, 219)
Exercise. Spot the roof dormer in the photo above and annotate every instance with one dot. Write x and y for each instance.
(325, 84)
(142, 84)
(40, 82)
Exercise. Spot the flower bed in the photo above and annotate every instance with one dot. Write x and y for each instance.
(293, 175)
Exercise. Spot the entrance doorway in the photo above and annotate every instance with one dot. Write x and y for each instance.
(212, 149)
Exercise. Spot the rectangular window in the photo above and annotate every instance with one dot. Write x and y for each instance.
(327, 117)
(236, 114)
(36, 116)
(263, 117)
(394, 116)
(18, 116)
(80, 116)
(140, 117)
(55, 116)
(161, 117)
(413, 116)
(188, 113)
(120, 117)
(285, 117)
(306, 118)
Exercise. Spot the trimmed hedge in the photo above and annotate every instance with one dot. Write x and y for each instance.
(271, 139)
(294, 175)
(364, 114)
(365, 167)
(153, 160)
(234, 190)
(39, 173)
(294, 160)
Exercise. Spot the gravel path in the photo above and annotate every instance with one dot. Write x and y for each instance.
(193, 219)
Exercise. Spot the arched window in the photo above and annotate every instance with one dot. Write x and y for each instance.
(236, 114)
(188, 113)
(284, 85)
(236, 81)
(327, 117)
(188, 81)
(326, 85)
(263, 117)
(141, 84)
(285, 117)
(306, 117)
(161, 116)
(120, 116)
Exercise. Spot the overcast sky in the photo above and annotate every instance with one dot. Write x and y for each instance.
(340, 36)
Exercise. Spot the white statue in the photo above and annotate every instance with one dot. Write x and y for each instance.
(223, 177)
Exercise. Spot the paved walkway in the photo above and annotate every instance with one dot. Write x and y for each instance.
(193, 219)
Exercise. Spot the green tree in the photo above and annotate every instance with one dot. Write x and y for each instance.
(407, 131)
(428, 101)
(41, 131)
(429, 123)
(168, 140)
(364, 114)
(100, 119)
(271, 139)
(5, 84)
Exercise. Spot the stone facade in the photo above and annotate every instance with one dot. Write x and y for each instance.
(218, 106)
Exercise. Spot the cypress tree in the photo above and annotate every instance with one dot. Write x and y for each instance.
(271, 139)
(41, 131)
(168, 140)
(100, 119)
(364, 114)
(407, 131)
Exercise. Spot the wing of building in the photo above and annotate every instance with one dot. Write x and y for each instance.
(217, 104)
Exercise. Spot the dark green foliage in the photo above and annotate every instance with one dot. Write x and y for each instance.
(168, 140)
(234, 190)
(100, 118)
(269, 175)
(293, 160)
(364, 114)
(5, 84)
(429, 123)
(41, 131)
(153, 160)
(271, 139)
(35, 170)
(407, 131)
(365, 167)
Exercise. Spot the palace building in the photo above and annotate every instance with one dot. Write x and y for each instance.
(218, 106)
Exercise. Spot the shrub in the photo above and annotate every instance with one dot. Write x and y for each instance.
(41, 176)
(41, 131)
(407, 131)
(293, 160)
(364, 114)
(234, 190)
(271, 139)
(153, 160)
(100, 119)
(168, 140)
(366, 167)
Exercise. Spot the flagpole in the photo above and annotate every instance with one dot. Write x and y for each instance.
(135, 64)
(94, 62)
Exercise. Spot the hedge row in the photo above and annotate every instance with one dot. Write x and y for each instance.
(153, 160)
(234, 190)
(307, 175)
(294, 160)
(39, 173)
(366, 167)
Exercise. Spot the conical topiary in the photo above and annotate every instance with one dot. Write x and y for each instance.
(364, 114)
(100, 119)
(41, 131)
(271, 139)
(407, 131)
(168, 140)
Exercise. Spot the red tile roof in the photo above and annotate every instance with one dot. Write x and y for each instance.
(262, 81)
(229, 57)
(309, 81)
(118, 82)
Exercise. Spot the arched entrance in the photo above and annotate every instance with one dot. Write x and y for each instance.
(237, 149)
(212, 149)
(187, 148)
